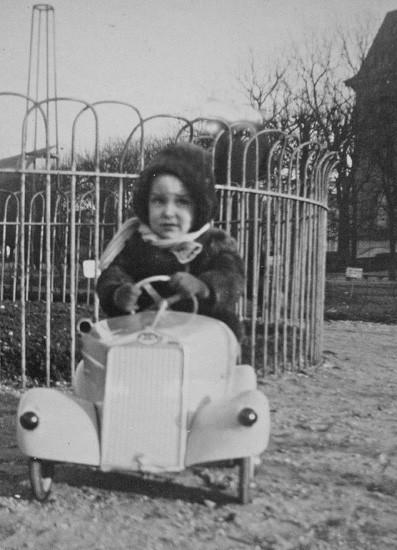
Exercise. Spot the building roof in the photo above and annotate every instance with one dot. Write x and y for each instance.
(380, 64)
(15, 162)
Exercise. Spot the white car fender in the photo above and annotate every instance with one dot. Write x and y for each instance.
(242, 378)
(66, 427)
(217, 432)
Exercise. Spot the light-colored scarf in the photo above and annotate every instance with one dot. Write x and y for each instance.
(185, 247)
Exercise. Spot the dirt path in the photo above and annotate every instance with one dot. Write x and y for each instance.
(327, 481)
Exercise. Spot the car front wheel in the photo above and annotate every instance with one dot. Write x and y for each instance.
(245, 477)
(41, 476)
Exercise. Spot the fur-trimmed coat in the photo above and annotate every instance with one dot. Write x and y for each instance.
(218, 265)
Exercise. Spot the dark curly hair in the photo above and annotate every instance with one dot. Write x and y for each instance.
(192, 165)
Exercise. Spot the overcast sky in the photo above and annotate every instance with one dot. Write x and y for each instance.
(174, 56)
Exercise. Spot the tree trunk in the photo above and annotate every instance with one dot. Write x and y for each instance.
(354, 221)
(344, 236)
(392, 242)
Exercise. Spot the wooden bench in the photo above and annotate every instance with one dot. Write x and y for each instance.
(357, 273)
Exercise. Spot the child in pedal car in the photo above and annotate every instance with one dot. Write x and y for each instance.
(174, 204)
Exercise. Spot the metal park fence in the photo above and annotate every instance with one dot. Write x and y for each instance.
(272, 193)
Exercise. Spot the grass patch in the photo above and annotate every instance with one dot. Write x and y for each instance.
(10, 344)
(361, 301)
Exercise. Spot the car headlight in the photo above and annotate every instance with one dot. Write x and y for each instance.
(29, 420)
(247, 417)
(84, 326)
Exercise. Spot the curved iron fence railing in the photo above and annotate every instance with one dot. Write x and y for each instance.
(272, 194)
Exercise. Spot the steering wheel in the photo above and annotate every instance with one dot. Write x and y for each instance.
(163, 303)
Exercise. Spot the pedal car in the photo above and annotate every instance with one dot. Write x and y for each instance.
(156, 391)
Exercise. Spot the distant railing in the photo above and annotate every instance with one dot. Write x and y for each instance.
(272, 195)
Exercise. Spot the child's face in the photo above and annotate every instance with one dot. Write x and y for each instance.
(171, 209)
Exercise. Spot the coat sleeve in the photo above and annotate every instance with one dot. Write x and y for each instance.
(223, 273)
(110, 279)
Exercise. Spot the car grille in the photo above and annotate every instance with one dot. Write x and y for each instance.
(144, 415)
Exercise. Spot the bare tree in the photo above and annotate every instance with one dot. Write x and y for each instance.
(356, 40)
(305, 93)
(267, 90)
(329, 106)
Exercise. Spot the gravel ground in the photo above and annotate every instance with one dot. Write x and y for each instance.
(327, 481)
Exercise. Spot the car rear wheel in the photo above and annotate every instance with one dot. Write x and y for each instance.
(41, 476)
(245, 476)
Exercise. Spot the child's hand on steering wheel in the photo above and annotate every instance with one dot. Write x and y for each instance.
(126, 297)
(189, 285)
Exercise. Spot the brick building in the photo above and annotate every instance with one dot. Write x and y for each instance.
(375, 86)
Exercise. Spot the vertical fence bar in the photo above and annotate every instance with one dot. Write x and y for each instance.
(66, 247)
(48, 269)
(73, 296)
(23, 270)
(72, 277)
(22, 227)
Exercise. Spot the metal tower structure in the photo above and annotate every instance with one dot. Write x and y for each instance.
(42, 77)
